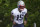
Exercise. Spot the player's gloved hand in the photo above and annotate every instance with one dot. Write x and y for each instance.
(25, 22)
(14, 23)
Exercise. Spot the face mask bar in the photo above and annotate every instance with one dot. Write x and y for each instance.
(21, 7)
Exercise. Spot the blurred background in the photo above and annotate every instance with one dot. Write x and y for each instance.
(33, 7)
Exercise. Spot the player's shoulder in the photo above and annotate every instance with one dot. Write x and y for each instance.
(14, 9)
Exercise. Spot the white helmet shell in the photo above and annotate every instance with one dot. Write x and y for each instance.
(21, 3)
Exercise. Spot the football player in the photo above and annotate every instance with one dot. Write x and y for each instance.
(19, 14)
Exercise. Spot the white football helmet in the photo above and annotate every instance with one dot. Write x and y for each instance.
(21, 5)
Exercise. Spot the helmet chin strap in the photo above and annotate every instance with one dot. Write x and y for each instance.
(21, 9)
